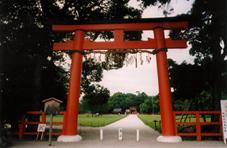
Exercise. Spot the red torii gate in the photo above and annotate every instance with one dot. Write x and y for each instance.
(159, 43)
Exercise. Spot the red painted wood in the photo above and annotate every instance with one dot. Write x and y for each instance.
(187, 134)
(166, 110)
(23, 123)
(121, 26)
(120, 44)
(159, 42)
(71, 114)
(198, 124)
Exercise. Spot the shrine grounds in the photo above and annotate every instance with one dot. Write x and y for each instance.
(129, 125)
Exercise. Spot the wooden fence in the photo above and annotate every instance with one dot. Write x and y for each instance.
(24, 124)
(198, 122)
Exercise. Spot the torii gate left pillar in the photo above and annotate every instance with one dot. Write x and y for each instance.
(71, 115)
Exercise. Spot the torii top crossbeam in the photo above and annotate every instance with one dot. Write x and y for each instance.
(118, 28)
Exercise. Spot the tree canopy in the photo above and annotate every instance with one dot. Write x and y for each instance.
(28, 68)
(126, 100)
(207, 35)
(95, 96)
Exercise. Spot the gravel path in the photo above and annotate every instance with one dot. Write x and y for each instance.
(129, 125)
(131, 122)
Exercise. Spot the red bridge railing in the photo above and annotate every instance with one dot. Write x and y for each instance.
(196, 121)
(23, 124)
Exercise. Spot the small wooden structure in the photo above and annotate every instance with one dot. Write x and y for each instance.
(52, 105)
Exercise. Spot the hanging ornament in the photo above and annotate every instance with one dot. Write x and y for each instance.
(126, 61)
(148, 58)
(94, 57)
(100, 58)
(90, 55)
(141, 59)
(136, 60)
(130, 60)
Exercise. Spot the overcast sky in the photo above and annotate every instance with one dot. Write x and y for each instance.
(143, 78)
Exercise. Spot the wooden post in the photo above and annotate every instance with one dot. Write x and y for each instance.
(50, 129)
(198, 127)
(175, 122)
(71, 115)
(43, 117)
(101, 134)
(168, 127)
(21, 128)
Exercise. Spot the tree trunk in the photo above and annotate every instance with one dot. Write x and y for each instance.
(37, 84)
(36, 99)
(4, 135)
(1, 127)
(217, 68)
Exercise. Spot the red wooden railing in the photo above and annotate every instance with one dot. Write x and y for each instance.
(23, 123)
(198, 123)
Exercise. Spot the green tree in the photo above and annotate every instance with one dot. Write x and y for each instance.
(125, 101)
(187, 80)
(94, 96)
(97, 98)
(206, 45)
(26, 48)
(207, 34)
(150, 105)
(184, 77)
(117, 100)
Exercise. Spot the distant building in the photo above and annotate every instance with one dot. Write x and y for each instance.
(133, 110)
(117, 110)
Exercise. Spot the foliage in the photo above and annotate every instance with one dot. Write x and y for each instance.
(91, 72)
(83, 107)
(25, 47)
(150, 105)
(28, 70)
(125, 101)
(212, 34)
(207, 34)
(184, 77)
(117, 100)
(146, 3)
(208, 38)
(5, 138)
(94, 96)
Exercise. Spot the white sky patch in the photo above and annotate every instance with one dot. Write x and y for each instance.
(131, 79)
(144, 78)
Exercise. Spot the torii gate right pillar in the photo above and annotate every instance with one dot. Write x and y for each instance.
(166, 109)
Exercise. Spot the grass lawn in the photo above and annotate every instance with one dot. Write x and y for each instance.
(88, 120)
(192, 118)
(149, 120)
